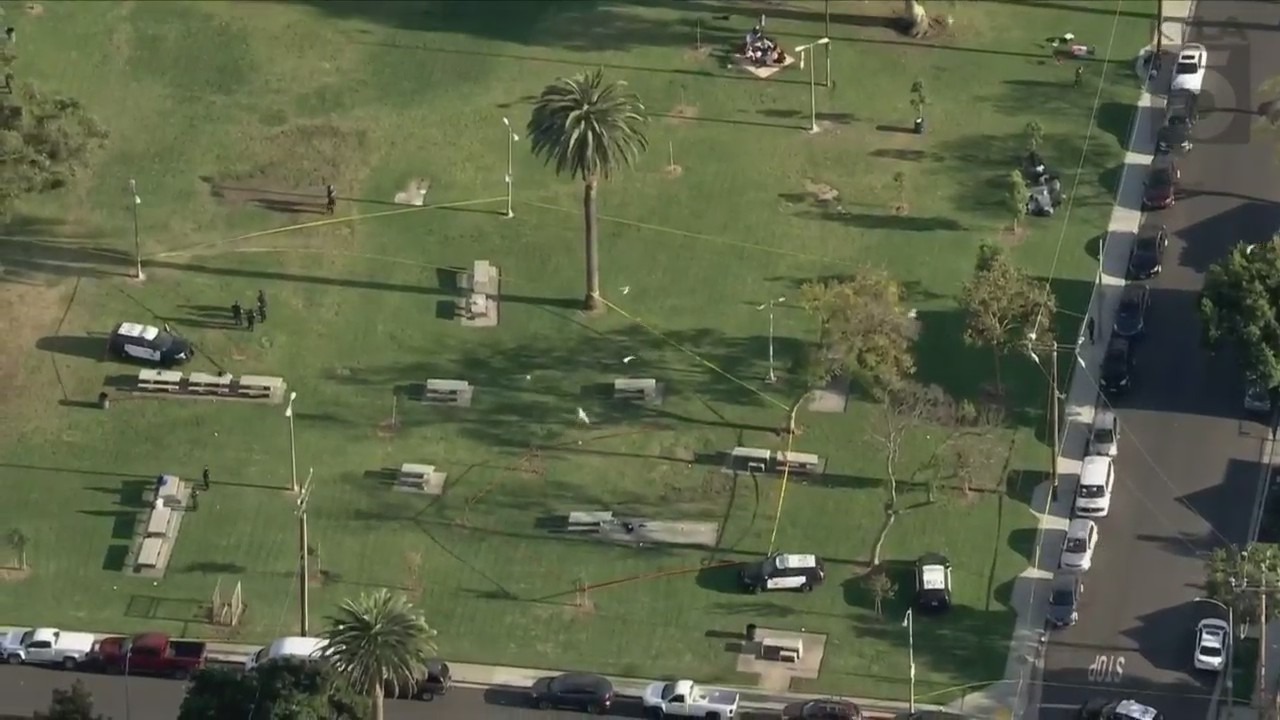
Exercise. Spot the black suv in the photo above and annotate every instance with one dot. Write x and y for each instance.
(149, 344)
(1117, 367)
(1064, 599)
(1131, 315)
(784, 571)
(1146, 257)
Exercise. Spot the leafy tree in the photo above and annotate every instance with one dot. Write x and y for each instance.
(18, 542)
(1239, 578)
(588, 129)
(1240, 307)
(1016, 200)
(379, 639)
(73, 704)
(1035, 135)
(282, 689)
(918, 97)
(1003, 305)
(44, 139)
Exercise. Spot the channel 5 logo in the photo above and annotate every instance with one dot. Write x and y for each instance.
(1227, 106)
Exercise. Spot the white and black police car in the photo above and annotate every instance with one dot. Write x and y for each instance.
(150, 345)
(784, 571)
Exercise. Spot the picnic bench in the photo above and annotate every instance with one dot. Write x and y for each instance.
(260, 386)
(484, 278)
(447, 392)
(149, 552)
(158, 522)
(589, 520)
(755, 459)
(635, 389)
(159, 380)
(415, 475)
(207, 384)
(798, 462)
(782, 649)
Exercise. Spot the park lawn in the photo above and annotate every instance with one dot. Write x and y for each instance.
(285, 96)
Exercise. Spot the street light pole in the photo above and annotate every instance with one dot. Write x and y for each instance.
(813, 92)
(511, 141)
(304, 571)
(137, 238)
(293, 446)
(908, 622)
(772, 377)
(826, 32)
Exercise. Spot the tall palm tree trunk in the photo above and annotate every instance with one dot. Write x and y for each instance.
(592, 302)
(375, 694)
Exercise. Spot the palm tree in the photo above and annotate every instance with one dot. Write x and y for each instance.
(379, 639)
(588, 129)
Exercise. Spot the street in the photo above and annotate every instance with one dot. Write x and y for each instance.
(24, 690)
(1190, 460)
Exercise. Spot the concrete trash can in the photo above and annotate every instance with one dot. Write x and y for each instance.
(104, 401)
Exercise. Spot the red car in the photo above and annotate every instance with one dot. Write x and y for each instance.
(1161, 187)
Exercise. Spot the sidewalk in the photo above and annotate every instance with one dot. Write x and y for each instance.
(1017, 695)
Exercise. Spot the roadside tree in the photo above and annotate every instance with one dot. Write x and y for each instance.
(1003, 305)
(282, 689)
(73, 704)
(1239, 309)
(1240, 578)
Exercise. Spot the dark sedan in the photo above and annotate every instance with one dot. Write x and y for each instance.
(827, 709)
(1174, 136)
(573, 691)
(1117, 367)
(1146, 258)
(1131, 315)
(1161, 188)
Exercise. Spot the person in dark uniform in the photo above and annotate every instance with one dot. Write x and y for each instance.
(204, 477)
(1079, 76)
(250, 320)
(330, 199)
(237, 313)
(262, 306)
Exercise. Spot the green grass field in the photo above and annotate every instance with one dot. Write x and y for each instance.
(224, 113)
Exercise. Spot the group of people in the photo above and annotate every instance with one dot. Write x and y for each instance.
(252, 316)
(760, 50)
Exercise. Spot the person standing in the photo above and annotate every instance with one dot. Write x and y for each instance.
(330, 199)
(1079, 76)
(1090, 328)
(237, 313)
(250, 319)
(262, 306)
(204, 477)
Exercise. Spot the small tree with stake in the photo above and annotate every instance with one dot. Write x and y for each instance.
(1035, 135)
(881, 589)
(18, 542)
(900, 185)
(918, 101)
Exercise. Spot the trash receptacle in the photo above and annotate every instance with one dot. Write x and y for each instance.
(104, 401)
(751, 632)
(919, 126)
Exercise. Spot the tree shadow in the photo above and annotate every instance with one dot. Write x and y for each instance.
(899, 223)
(28, 256)
(1116, 119)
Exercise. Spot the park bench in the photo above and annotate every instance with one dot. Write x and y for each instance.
(587, 521)
(635, 389)
(782, 649)
(448, 392)
(149, 552)
(259, 386)
(754, 459)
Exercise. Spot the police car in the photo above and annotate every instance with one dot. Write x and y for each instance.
(933, 582)
(784, 571)
(149, 344)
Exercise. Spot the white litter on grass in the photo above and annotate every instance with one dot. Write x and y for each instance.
(625, 289)
(627, 360)
(582, 417)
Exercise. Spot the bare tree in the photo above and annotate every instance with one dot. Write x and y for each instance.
(881, 589)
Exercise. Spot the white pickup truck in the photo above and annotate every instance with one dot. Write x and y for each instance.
(45, 646)
(686, 699)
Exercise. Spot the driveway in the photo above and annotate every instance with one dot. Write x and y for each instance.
(1189, 463)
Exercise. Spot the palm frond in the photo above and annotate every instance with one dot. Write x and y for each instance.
(588, 128)
(377, 638)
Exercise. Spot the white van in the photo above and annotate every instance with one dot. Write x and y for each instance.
(303, 648)
(1093, 494)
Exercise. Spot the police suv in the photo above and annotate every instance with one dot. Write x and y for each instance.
(784, 571)
(149, 344)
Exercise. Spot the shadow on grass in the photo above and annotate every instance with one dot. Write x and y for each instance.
(80, 346)
(724, 579)
(900, 223)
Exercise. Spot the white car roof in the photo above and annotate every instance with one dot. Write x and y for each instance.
(682, 687)
(48, 635)
(1213, 624)
(1104, 419)
(138, 330)
(791, 560)
(1079, 527)
(297, 647)
(933, 577)
(1094, 469)
(1136, 710)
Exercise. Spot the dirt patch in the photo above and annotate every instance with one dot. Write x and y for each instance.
(387, 428)
(14, 574)
(682, 113)
(822, 193)
(900, 209)
(673, 171)
(34, 9)
(415, 193)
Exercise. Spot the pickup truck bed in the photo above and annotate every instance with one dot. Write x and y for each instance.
(722, 697)
(187, 649)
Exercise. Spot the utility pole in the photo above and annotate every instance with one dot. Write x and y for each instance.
(826, 32)
(772, 377)
(909, 623)
(1159, 27)
(304, 574)
(511, 141)
(1053, 424)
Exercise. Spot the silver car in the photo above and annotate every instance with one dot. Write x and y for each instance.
(1104, 438)
(1077, 549)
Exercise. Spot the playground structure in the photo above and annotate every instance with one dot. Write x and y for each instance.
(229, 610)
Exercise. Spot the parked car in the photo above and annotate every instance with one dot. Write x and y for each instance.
(149, 344)
(150, 654)
(1188, 74)
(1161, 188)
(574, 691)
(1257, 398)
(435, 679)
(1104, 437)
(1077, 548)
(784, 571)
(1212, 639)
(46, 646)
(1093, 492)
(1117, 367)
(1104, 709)
(1180, 112)
(1064, 599)
(1146, 257)
(301, 648)
(1131, 313)
(685, 698)
(933, 582)
(824, 709)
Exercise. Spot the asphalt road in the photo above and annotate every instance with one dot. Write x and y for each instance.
(1188, 467)
(24, 690)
